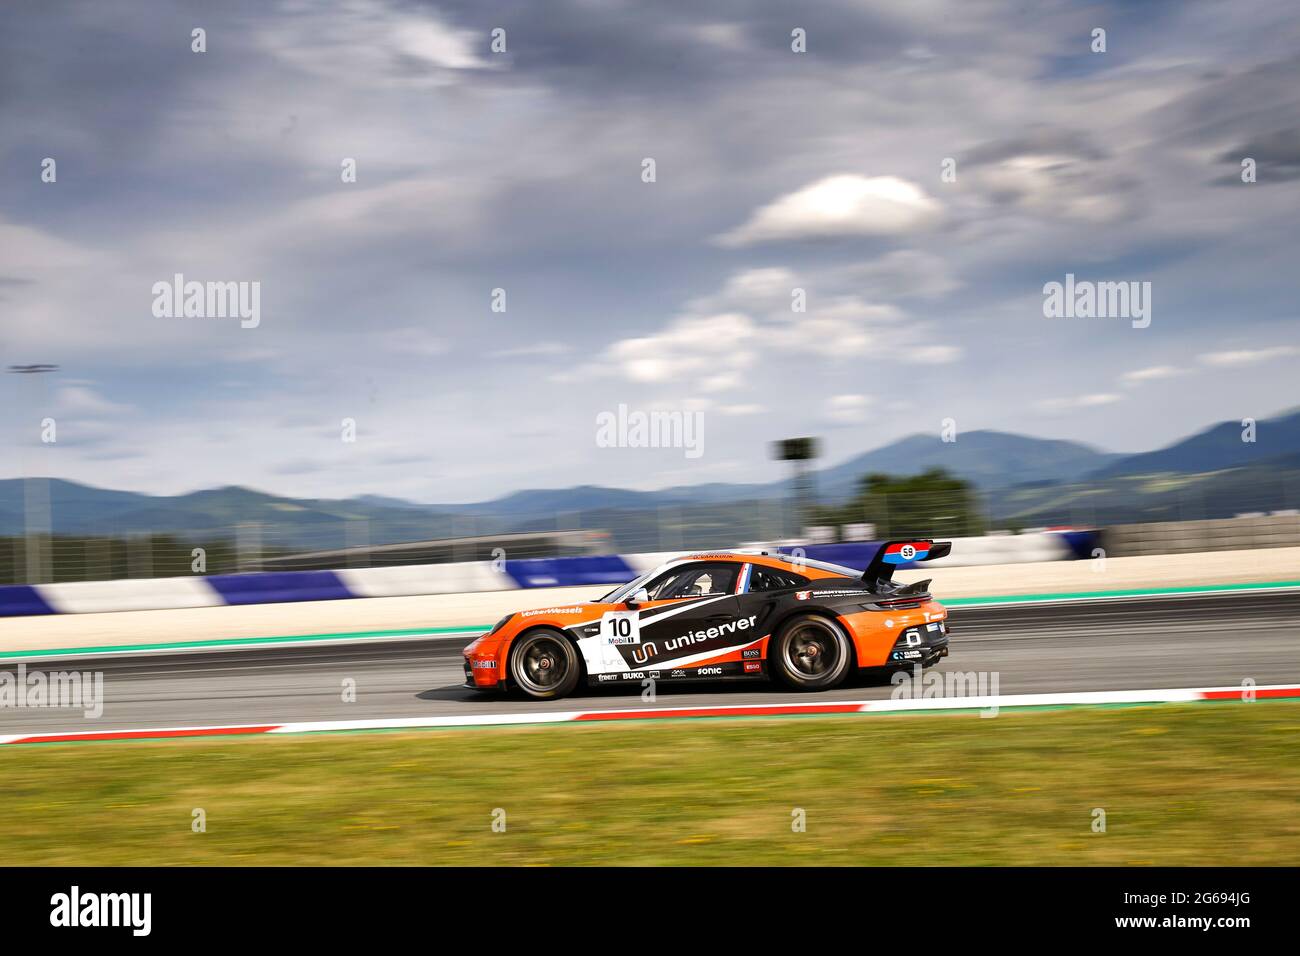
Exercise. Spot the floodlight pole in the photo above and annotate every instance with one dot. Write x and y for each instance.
(36, 500)
(799, 451)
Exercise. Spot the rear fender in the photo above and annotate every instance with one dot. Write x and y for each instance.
(780, 620)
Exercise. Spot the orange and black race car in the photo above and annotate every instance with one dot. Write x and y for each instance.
(733, 615)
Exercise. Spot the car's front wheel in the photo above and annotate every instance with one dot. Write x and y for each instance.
(544, 664)
(810, 652)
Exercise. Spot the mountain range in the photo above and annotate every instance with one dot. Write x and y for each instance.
(1024, 480)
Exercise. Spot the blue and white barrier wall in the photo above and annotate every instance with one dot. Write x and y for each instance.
(275, 587)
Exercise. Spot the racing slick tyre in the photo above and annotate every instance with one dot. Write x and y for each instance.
(544, 664)
(811, 652)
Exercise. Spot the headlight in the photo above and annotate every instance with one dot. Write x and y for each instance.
(499, 624)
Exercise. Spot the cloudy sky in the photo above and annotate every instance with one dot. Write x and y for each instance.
(524, 171)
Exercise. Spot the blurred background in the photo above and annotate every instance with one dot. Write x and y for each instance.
(53, 530)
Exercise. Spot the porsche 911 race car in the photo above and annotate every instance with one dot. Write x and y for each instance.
(733, 615)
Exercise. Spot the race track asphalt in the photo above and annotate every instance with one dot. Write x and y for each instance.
(1165, 642)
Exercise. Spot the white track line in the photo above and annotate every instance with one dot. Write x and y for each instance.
(1084, 698)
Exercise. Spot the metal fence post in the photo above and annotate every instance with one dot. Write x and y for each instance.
(248, 545)
(356, 535)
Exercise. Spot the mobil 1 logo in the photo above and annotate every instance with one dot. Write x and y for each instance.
(620, 627)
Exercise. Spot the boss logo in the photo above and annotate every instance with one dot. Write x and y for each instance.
(751, 652)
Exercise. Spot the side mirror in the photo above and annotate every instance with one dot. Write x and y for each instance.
(639, 597)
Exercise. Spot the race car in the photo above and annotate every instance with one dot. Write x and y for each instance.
(732, 616)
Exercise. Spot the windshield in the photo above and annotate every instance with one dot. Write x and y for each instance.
(621, 593)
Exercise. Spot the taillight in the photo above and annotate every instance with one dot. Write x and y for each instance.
(903, 604)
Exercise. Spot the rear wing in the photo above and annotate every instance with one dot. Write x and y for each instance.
(880, 571)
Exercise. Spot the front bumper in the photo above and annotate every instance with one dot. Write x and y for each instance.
(482, 673)
(482, 661)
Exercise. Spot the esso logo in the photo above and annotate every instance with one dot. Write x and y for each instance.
(908, 552)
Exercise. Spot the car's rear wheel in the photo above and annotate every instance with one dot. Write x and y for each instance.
(810, 652)
(544, 664)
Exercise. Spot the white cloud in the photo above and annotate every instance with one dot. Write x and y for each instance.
(707, 352)
(839, 206)
(413, 340)
(725, 36)
(837, 324)
(1152, 374)
(1079, 401)
(1249, 356)
(536, 350)
(83, 400)
(848, 409)
(932, 354)
(766, 289)
(906, 273)
(250, 355)
(1054, 185)
(371, 43)
(844, 327)
(760, 283)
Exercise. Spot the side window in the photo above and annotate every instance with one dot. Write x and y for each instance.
(774, 579)
(694, 580)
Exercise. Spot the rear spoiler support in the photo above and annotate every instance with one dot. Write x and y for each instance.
(880, 572)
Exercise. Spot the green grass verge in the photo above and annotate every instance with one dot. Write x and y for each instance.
(1212, 784)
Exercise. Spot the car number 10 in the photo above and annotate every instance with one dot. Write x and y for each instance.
(621, 627)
